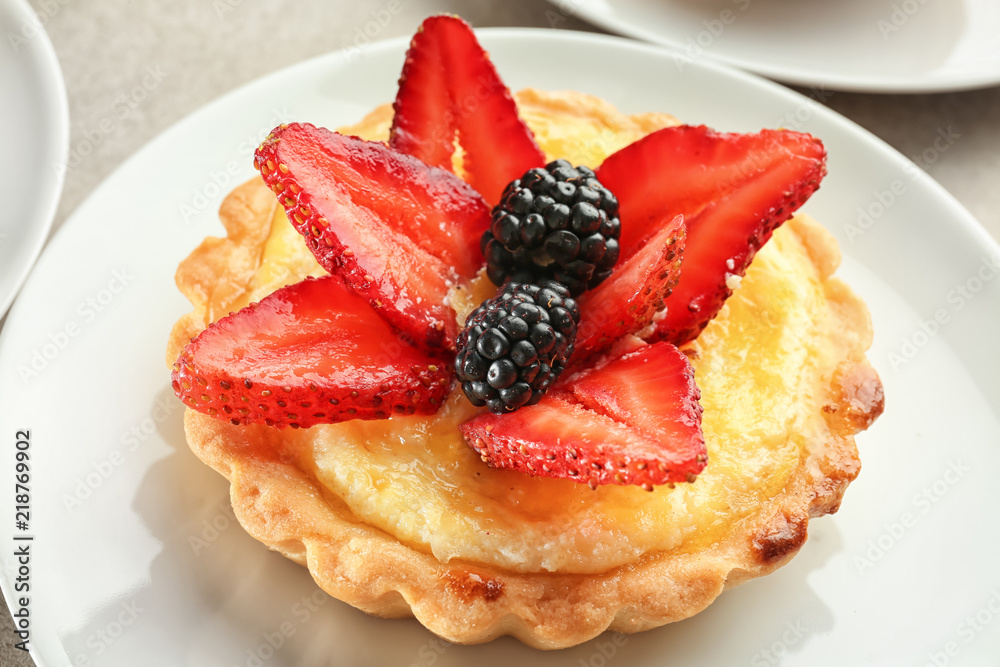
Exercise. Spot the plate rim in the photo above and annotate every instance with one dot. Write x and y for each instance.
(850, 84)
(969, 225)
(54, 86)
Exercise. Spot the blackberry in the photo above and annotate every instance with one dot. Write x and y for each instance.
(516, 344)
(557, 223)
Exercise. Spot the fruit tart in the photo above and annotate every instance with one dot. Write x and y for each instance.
(524, 364)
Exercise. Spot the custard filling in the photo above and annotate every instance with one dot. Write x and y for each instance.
(758, 364)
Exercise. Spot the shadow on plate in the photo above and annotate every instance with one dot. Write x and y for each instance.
(217, 596)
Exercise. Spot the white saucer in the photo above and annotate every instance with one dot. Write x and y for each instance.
(880, 46)
(35, 118)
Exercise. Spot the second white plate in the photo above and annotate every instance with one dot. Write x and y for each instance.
(35, 117)
(881, 46)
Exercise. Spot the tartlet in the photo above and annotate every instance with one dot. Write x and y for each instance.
(399, 517)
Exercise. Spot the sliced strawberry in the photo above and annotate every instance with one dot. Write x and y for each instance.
(733, 190)
(399, 232)
(310, 353)
(633, 420)
(629, 299)
(424, 124)
(449, 87)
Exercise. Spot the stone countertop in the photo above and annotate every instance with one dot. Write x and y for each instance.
(209, 48)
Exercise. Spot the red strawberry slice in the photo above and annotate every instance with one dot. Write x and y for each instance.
(733, 190)
(630, 298)
(424, 124)
(449, 87)
(399, 232)
(310, 353)
(633, 420)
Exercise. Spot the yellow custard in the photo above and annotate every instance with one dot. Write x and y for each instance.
(417, 479)
(756, 364)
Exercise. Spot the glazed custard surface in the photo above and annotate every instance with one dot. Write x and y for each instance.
(764, 367)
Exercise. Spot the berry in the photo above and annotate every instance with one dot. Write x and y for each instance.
(449, 89)
(516, 344)
(310, 353)
(733, 190)
(632, 420)
(634, 294)
(399, 232)
(557, 223)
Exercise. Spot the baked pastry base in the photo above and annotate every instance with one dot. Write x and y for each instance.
(280, 503)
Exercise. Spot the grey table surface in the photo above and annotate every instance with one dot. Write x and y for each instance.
(210, 48)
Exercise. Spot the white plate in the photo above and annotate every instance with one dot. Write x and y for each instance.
(138, 560)
(900, 46)
(35, 118)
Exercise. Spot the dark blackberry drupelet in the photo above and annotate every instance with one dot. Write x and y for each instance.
(557, 223)
(516, 344)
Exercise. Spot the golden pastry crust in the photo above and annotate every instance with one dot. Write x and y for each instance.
(281, 503)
